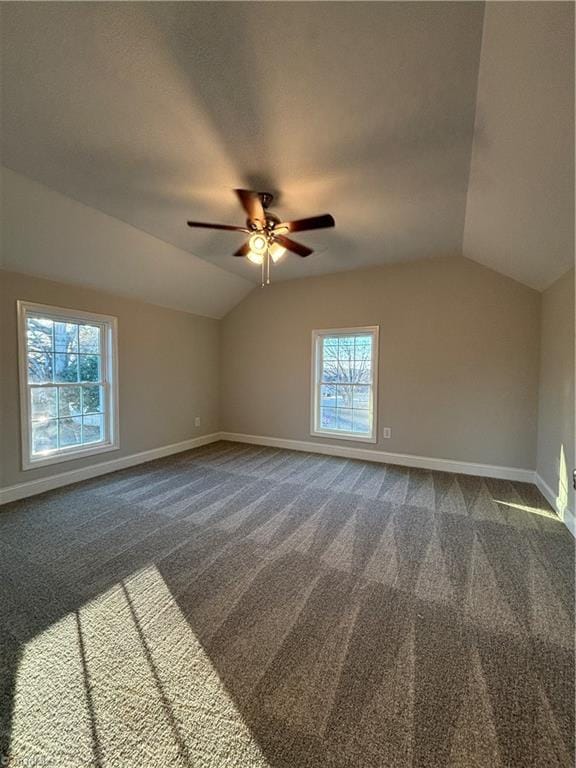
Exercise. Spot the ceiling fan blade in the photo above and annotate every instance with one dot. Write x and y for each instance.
(244, 250)
(205, 225)
(291, 245)
(302, 225)
(252, 204)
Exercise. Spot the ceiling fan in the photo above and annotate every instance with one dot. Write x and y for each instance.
(268, 241)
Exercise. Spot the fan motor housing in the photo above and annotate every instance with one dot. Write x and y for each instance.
(272, 220)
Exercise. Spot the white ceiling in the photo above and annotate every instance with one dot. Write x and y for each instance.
(50, 235)
(520, 211)
(154, 112)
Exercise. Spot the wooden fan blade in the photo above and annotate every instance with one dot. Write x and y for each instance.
(291, 245)
(244, 250)
(252, 204)
(303, 225)
(205, 225)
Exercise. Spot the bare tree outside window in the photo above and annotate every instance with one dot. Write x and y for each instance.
(345, 382)
(64, 353)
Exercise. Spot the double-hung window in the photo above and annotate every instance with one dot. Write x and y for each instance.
(68, 384)
(344, 383)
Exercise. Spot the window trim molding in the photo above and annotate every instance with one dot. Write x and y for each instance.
(315, 390)
(109, 325)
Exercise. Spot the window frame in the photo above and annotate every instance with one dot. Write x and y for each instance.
(316, 366)
(108, 375)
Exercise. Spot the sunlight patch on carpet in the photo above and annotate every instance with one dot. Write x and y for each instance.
(541, 511)
(125, 681)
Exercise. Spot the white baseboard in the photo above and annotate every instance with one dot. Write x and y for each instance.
(33, 487)
(403, 459)
(565, 514)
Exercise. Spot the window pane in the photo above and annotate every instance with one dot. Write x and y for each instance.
(363, 347)
(39, 334)
(364, 372)
(348, 364)
(330, 348)
(328, 395)
(89, 367)
(344, 419)
(44, 403)
(44, 436)
(69, 401)
(346, 343)
(89, 339)
(65, 367)
(361, 397)
(362, 422)
(70, 431)
(328, 418)
(65, 337)
(93, 429)
(335, 370)
(346, 351)
(344, 396)
(92, 398)
(39, 367)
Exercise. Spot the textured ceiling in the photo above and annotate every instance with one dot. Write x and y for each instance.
(154, 112)
(520, 212)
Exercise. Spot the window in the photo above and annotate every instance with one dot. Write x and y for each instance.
(344, 379)
(68, 384)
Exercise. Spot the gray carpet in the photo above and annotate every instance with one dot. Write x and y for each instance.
(245, 606)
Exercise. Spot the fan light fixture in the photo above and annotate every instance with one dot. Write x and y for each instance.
(258, 244)
(268, 235)
(255, 258)
(276, 252)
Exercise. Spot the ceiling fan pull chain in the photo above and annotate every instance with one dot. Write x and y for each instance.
(268, 266)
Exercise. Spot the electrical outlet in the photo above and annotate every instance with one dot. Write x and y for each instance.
(197, 421)
(387, 432)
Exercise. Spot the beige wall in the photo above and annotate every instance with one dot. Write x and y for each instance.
(556, 401)
(459, 364)
(459, 356)
(168, 371)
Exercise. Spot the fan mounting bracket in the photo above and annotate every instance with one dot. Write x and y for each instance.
(266, 199)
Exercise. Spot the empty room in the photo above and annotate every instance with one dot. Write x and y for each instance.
(287, 353)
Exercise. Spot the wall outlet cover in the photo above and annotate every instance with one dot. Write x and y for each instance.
(387, 432)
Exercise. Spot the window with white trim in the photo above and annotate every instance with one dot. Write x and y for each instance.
(344, 383)
(68, 384)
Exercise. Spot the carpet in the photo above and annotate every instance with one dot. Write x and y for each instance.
(245, 606)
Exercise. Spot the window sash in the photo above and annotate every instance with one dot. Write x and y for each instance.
(319, 381)
(107, 383)
(104, 388)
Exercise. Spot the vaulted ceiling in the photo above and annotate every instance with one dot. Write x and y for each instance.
(520, 208)
(375, 112)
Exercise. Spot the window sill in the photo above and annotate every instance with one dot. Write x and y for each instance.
(71, 455)
(343, 436)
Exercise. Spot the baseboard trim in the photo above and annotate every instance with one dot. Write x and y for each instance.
(402, 459)
(565, 514)
(33, 487)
